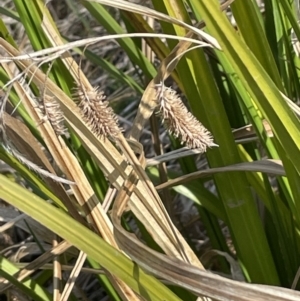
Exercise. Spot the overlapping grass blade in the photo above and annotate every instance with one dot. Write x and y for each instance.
(85, 240)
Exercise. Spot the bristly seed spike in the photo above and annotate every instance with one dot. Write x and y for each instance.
(97, 113)
(180, 122)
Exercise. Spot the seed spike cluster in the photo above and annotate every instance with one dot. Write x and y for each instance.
(97, 113)
(180, 122)
(54, 114)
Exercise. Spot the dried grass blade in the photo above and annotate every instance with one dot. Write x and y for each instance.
(268, 166)
(151, 217)
(26, 143)
(37, 263)
(109, 160)
(200, 282)
(101, 220)
(73, 276)
(145, 11)
(53, 142)
(57, 273)
(84, 83)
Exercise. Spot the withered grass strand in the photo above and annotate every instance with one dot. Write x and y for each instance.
(180, 122)
(97, 113)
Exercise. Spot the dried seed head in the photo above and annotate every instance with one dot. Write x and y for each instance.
(54, 114)
(180, 122)
(97, 113)
(50, 108)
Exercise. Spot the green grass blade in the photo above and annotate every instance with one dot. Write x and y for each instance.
(85, 240)
(28, 286)
(31, 15)
(251, 27)
(284, 123)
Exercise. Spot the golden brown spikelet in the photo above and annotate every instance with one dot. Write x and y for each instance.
(97, 113)
(54, 114)
(180, 122)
